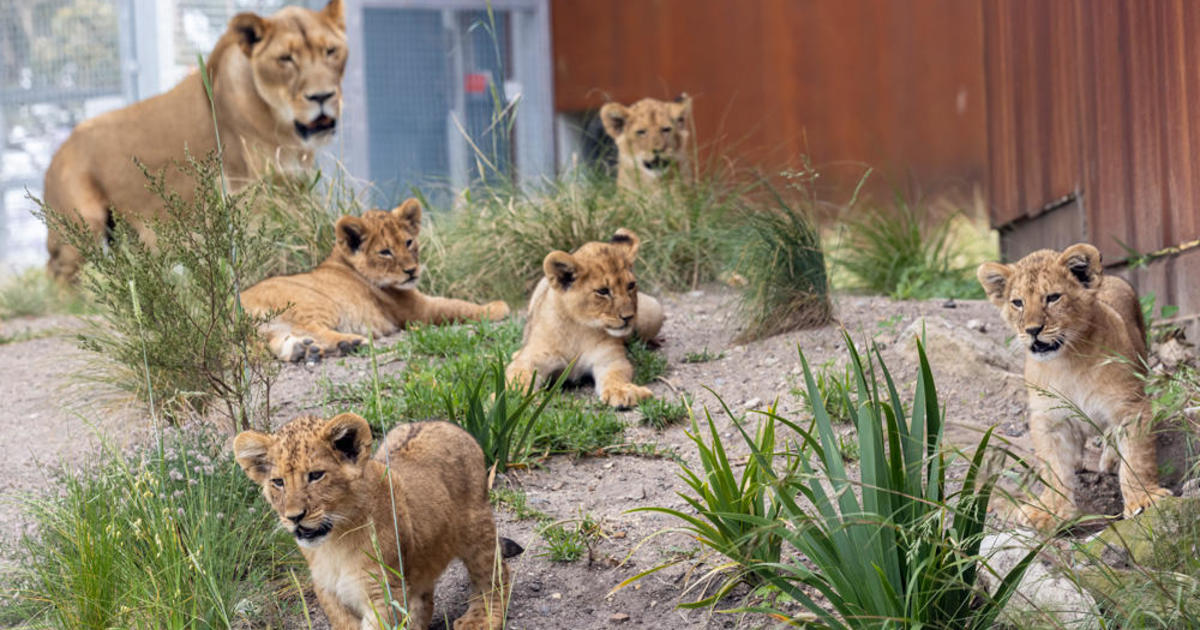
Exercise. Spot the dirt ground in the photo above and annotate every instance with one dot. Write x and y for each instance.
(976, 369)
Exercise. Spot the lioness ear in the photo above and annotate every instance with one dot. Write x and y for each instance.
(1083, 261)
(350, 437)
(560, 269)
(994, 278)
(613, 115)
(249, 30)
(681, 109)
(627, 239)
(335, 13)
(250, 451)
(349, 230)
(410, 213)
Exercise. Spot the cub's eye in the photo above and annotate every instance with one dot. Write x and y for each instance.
(1053, 297)
(680, 120)
(385, 252)
(316, 475)
(286, 58)
(603, 291)
(331, 51)
(640, 132)
(1018, 303)
(408, 243)
(666, 130)
(632, 286)
(277, 482)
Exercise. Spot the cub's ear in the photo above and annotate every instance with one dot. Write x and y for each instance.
(994, 278)
(350, 437)
(349, 230)
(334, 13)
(1083, 261)
(681, 109)
(250, 451)
(560, 268)
(627, 239)
(248, 29)
(614, 116)
(410, 213)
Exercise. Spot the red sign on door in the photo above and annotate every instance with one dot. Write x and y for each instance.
(475, 83)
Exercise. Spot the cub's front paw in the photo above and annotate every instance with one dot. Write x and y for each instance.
(346, 346)
(495, 310)
(1136, 504)
(1043, 520)
(625, 395)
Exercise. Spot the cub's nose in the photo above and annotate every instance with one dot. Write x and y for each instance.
(411, 271)
(296, 518)
(1034, 330)
(320, 97)
(627, 318)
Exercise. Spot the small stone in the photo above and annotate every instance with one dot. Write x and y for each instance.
(535, 586)
(770, 361)
(558, 486)
(695, 294)
(977, 325)
(608, 465)
(950, 303)
(555, 595)
(1191, 488)
(618, 618)
(753, 403)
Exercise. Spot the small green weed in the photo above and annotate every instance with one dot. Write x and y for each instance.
(704, 356)
(835, 386)
(518, 503)
(567, 540)
(1156, 330)
(647, 364)
(661, 413)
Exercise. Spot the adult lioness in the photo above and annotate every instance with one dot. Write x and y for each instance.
(367, 285)
(581, 312)
(276, 97)
(424, 490)
(652, 139)
(1073, 320)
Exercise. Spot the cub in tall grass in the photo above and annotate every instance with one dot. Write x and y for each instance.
(652, 139)
(582, 311)
(1086, 342)
(367, 285)
(424, 490)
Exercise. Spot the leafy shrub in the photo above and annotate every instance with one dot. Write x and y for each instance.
(784, 267)
(173, 309)
(172, 537)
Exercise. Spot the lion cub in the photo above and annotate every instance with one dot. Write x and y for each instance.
(652, 139)
(582, 311)
(1073, 319)
(367, 285)
(426, 488)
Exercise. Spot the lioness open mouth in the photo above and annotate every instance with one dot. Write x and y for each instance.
(1041, 347)
(309, 534)
(659, 163)
(321, 124)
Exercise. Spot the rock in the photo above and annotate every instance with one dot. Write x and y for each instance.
(1173, 351)
(977, 325)
(1191, 489)
(753, 403)
(955, 349)
(950, 303)
(618, 618)
(1044, 597)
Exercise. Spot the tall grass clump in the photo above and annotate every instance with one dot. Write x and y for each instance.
(173, 536)
(786, 283)
(906, 251)
(32, 293)
(897, 548)
(298, 212)
(177, 302)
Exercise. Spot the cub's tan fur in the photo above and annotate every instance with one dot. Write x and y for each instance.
(1072, 320)
(367, 285)
(652, 139)
(426, 487)
(582, 311)
(277, 96)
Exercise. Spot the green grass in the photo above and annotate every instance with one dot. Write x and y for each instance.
(835, 386)
(170, 538)
(32, 293)
(648, 365)
(704, 356)
(661, 413)
(566, 541)
(517, 502)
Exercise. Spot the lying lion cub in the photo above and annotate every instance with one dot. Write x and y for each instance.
(426, 487)
(582, 311)
(1073, 320)
(367, 285)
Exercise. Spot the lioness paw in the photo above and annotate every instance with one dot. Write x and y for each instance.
(1042, 520)
(1138, 503)
(495, 310)
(346, 346)
(625, 395)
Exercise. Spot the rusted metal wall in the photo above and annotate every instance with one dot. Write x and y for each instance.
(1094, 131)
(897, 84)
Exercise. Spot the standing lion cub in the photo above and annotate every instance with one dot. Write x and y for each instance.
(1072, 319)
(652, 139)
(367, 285)
(581, 313)
(425, 489)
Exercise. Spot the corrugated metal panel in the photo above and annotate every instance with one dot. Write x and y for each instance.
(896, 84)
